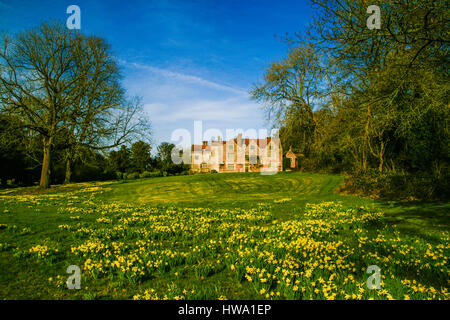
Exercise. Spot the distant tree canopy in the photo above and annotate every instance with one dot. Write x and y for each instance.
(165, 151)
(164, 160)
(120, 160)
(140, 156)
(354, 99)
(65, 89)
(138, 160)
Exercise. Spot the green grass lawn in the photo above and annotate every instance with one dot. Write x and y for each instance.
(234, 236)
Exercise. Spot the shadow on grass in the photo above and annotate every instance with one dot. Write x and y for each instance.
(421, 219)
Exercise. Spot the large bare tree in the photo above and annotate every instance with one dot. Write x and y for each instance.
(102, 116)
(62, 83)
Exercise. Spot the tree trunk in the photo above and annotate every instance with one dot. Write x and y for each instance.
(366, 143)
(45, 172)
(382, 148)
(364, 157)
(68, 170)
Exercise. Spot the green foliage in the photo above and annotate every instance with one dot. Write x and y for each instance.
(145, 174)
(286, 163)
(14, 163)
(140, 156)
(120, 160)
(131, 175)
(357, 100)
(119, 175)
(399, 186)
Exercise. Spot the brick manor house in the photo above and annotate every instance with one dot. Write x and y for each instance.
(237, 155)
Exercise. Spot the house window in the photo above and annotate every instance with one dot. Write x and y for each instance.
(230, 167)
(196, 157)
(253, 159)
(231, 147)
(231, 155)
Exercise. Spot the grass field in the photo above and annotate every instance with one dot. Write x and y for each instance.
(220, 236)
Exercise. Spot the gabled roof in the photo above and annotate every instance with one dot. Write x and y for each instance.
(291, 154)
(258, 142)
(200, 147)
(246, 142)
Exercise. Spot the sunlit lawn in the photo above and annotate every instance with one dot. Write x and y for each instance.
(233, 236)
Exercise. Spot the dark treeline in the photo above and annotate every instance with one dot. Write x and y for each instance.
(373, 103)
(137, 162)
(21, 160)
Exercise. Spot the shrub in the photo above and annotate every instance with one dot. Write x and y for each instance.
(145, 174)
(107, 175)
(131, 175)
(398, 186)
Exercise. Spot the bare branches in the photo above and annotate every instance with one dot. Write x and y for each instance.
(293, 82)
(65, 84)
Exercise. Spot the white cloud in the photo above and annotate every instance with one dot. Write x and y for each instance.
(231, 109)
(175, 100)
(185, 78)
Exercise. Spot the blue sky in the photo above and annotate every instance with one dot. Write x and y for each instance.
(189, 60)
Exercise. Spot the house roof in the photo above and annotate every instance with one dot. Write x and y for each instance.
(291, 154)
(200, 147)
(247, 141)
